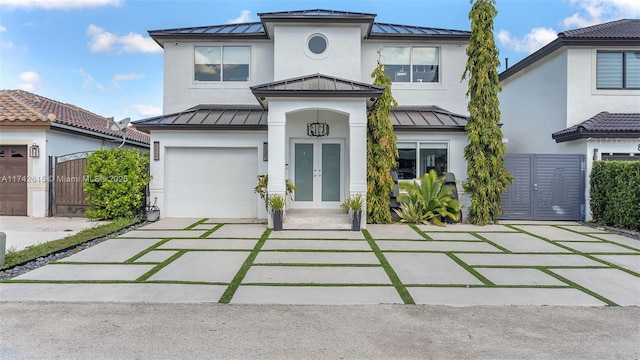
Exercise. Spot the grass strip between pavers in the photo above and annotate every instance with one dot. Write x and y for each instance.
(595, 236)
(422, 233)
(588, 256)
(395, 280)
(209, 232)
(159, 267)
(471, 270)
(242, 272)
(316, 265)
(578, 287)
(146, 251)
(201, 221)
(503, 249)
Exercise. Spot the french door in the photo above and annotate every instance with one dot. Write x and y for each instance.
(318, 173)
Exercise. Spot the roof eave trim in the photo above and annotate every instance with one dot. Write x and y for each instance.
(436, 128)
(559, 43)
(201, 127)
(577, 135)
(439, 37)
(97, 135)
(318, 93)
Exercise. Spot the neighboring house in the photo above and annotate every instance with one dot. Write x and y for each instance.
(288, 96)
(34, 132)
(578, 95)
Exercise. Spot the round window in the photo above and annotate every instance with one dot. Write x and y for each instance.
(317, 44)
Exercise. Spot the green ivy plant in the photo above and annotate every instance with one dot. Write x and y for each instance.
(382, 151)
(115, 183)
(487, 176)
(429, 201)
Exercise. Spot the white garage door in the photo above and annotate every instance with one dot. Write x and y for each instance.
(211, 182)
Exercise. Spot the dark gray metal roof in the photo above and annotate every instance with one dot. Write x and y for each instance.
(234, 117)
(201, 117)
(315, 13)
(317, 85)
(394, 31)
(256, 30)
(430, 118)
(603, 125)
(619, 33)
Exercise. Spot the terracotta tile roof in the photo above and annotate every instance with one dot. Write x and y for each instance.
(23, 106)
(603, 125)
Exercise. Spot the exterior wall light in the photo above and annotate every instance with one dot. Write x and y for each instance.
(156, 150)
(34, 151)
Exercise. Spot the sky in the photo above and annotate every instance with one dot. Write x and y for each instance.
(97, 54)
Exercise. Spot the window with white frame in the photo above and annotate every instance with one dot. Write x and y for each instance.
(221, 63)
(419, 64)
(418, 158)
(618, 70)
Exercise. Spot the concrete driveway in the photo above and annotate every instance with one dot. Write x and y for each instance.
(23, 231)
(198, 260)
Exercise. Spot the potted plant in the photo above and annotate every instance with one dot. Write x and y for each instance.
(354, 206)
(261, 188)
(275, 203)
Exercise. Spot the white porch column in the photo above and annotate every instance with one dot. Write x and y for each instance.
(358, 158)
(277, 144)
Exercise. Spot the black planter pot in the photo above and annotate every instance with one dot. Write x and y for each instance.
(277, 220)
(355, 220)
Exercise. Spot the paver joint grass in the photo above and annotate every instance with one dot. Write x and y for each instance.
(395, 280)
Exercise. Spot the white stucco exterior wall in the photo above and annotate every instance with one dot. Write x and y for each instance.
(181, 91)
(340, 59)
(584, 100)
(533, 104)
(449, 93)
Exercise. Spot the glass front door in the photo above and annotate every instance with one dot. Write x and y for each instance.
(317, 173)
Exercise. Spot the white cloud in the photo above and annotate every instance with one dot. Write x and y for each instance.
(593, 12)
(6, 45)
(58, 4)
(104, 41)
(2, 28)
(534, 40)
(91, 84)
(119, 77)
(245, 16)
(148, 110)
(29, 80)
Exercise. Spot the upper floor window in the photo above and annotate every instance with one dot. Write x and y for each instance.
(412, 63)
(221, 63)
(618, 70)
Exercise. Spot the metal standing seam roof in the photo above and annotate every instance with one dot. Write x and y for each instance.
(619, 33)
(23, 106)
(602, 125)
(257, 30)
(318, 84)
(233, 117)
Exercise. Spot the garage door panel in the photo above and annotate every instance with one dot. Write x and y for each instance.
(211, 182)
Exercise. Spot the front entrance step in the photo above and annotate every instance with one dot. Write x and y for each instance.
(298, 219)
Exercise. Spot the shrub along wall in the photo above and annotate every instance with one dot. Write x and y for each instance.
(116, 179)
(615, 193)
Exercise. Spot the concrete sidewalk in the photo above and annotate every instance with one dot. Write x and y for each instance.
(23, 231)
(192, 260)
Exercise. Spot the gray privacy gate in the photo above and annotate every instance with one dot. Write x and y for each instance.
(545, 187)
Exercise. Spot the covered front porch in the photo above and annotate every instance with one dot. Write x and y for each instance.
(317, 140)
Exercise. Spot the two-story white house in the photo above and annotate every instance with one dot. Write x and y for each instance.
(580, 94)
(288, 96)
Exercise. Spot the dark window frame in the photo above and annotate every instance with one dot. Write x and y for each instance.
(221, 65)
(624, 69)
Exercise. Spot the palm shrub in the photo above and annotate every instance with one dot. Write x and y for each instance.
(429, 201)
